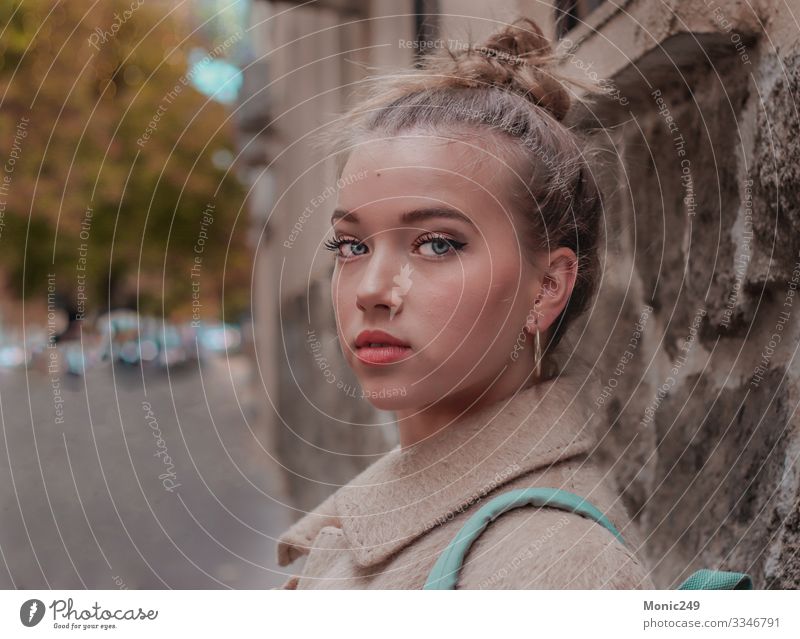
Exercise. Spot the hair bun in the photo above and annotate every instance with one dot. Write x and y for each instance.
(517, 57)
(522, 39)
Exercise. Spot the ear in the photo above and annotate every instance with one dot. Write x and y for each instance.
(554, 290)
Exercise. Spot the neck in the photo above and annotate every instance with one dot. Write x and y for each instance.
(417, 424)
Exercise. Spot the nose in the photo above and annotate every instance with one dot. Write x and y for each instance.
(375, 288)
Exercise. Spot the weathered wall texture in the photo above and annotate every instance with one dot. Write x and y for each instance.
(703, 215)
(697, 320)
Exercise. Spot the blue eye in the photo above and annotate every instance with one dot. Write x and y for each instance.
(336, 243)
(440, 245)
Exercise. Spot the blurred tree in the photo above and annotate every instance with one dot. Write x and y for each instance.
(113, 126)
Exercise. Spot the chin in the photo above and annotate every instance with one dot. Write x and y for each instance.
(386, 397)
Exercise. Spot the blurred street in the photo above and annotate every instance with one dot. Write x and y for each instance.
(132, 480)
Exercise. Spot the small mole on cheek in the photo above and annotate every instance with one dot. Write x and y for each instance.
(377, 173)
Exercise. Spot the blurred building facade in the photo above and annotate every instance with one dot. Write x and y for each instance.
(695, 329)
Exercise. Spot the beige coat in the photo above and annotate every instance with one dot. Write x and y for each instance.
(386, 528)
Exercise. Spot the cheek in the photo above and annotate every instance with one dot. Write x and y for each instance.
(341, 289)
(477, 302)
(491, 305)
(342, 298)
(441, 311)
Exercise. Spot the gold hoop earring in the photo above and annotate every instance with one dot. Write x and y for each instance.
(537, 341)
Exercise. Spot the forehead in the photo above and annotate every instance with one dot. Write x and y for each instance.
(405, 172)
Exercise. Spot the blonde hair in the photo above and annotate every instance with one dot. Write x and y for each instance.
(506, 85)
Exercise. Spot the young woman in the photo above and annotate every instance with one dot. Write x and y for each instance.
(465, 245)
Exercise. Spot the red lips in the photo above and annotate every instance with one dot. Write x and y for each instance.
(365, 338)
(379, 347)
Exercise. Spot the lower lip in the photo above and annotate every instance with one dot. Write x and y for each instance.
(381, 354)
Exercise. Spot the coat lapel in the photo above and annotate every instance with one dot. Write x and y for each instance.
(408, 492)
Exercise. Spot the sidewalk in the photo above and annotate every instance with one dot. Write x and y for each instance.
(113, 487)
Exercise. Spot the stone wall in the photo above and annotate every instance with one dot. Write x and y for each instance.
(704, 255)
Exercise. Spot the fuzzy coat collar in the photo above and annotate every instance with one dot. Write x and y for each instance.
(407, 492)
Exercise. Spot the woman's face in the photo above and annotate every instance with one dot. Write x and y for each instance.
(427, 251)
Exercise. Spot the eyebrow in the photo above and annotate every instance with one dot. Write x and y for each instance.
(409, 217)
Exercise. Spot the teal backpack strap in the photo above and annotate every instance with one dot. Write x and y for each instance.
(717, 580)
(445, 572)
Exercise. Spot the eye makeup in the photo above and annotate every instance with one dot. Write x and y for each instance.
(436, 240)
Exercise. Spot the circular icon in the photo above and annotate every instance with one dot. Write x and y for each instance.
(31, 612)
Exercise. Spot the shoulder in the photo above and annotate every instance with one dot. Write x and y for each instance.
(551, 549)
(299, 539)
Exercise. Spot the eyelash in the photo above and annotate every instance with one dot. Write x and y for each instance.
(335, 243)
